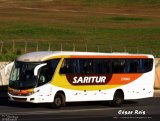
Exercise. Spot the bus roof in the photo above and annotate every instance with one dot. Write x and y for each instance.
(43, 55)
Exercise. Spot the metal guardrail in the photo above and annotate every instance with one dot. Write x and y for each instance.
(23, 46)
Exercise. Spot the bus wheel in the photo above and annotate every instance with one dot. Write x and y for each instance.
(117, 99)
(59, 101)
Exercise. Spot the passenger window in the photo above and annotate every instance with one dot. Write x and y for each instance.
(87, 66)
(97, 66)
(133, 65)
(106, 66)
(118, 66)
(67, 66)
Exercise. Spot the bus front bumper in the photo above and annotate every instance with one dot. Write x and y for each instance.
(31, 99)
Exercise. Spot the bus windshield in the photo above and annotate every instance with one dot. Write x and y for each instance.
(22, 74)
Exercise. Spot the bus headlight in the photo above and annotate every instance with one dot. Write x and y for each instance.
(17, 92)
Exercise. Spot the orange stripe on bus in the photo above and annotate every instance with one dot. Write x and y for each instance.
(122, 79)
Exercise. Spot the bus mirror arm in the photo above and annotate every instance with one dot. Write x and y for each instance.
(37, 68)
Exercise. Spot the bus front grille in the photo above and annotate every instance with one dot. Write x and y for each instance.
(19, 99)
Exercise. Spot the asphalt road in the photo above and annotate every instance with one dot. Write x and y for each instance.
(143, 109)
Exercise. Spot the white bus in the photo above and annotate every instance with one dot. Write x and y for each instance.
(60, 77)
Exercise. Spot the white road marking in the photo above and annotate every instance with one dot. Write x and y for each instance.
(60, 118)
(56, 111)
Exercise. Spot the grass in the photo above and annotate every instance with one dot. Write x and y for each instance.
(118, 3)
(97, 25)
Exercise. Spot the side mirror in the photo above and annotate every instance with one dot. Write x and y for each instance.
(37, 68)
(7, 67)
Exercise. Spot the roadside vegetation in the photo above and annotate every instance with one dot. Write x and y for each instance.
(80, 25)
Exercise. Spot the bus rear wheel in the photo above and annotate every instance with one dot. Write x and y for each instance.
(59, 101)
(117, 99)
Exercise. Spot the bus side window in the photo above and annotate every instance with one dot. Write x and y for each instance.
(77, 66)
(97, 66)
(133, 65)
(66, 67)
(87, 66)
(52, 65)
(118, 66)
(146, 65)
(106, 66)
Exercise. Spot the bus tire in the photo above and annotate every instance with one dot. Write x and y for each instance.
(59, 101)
(117, 99)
